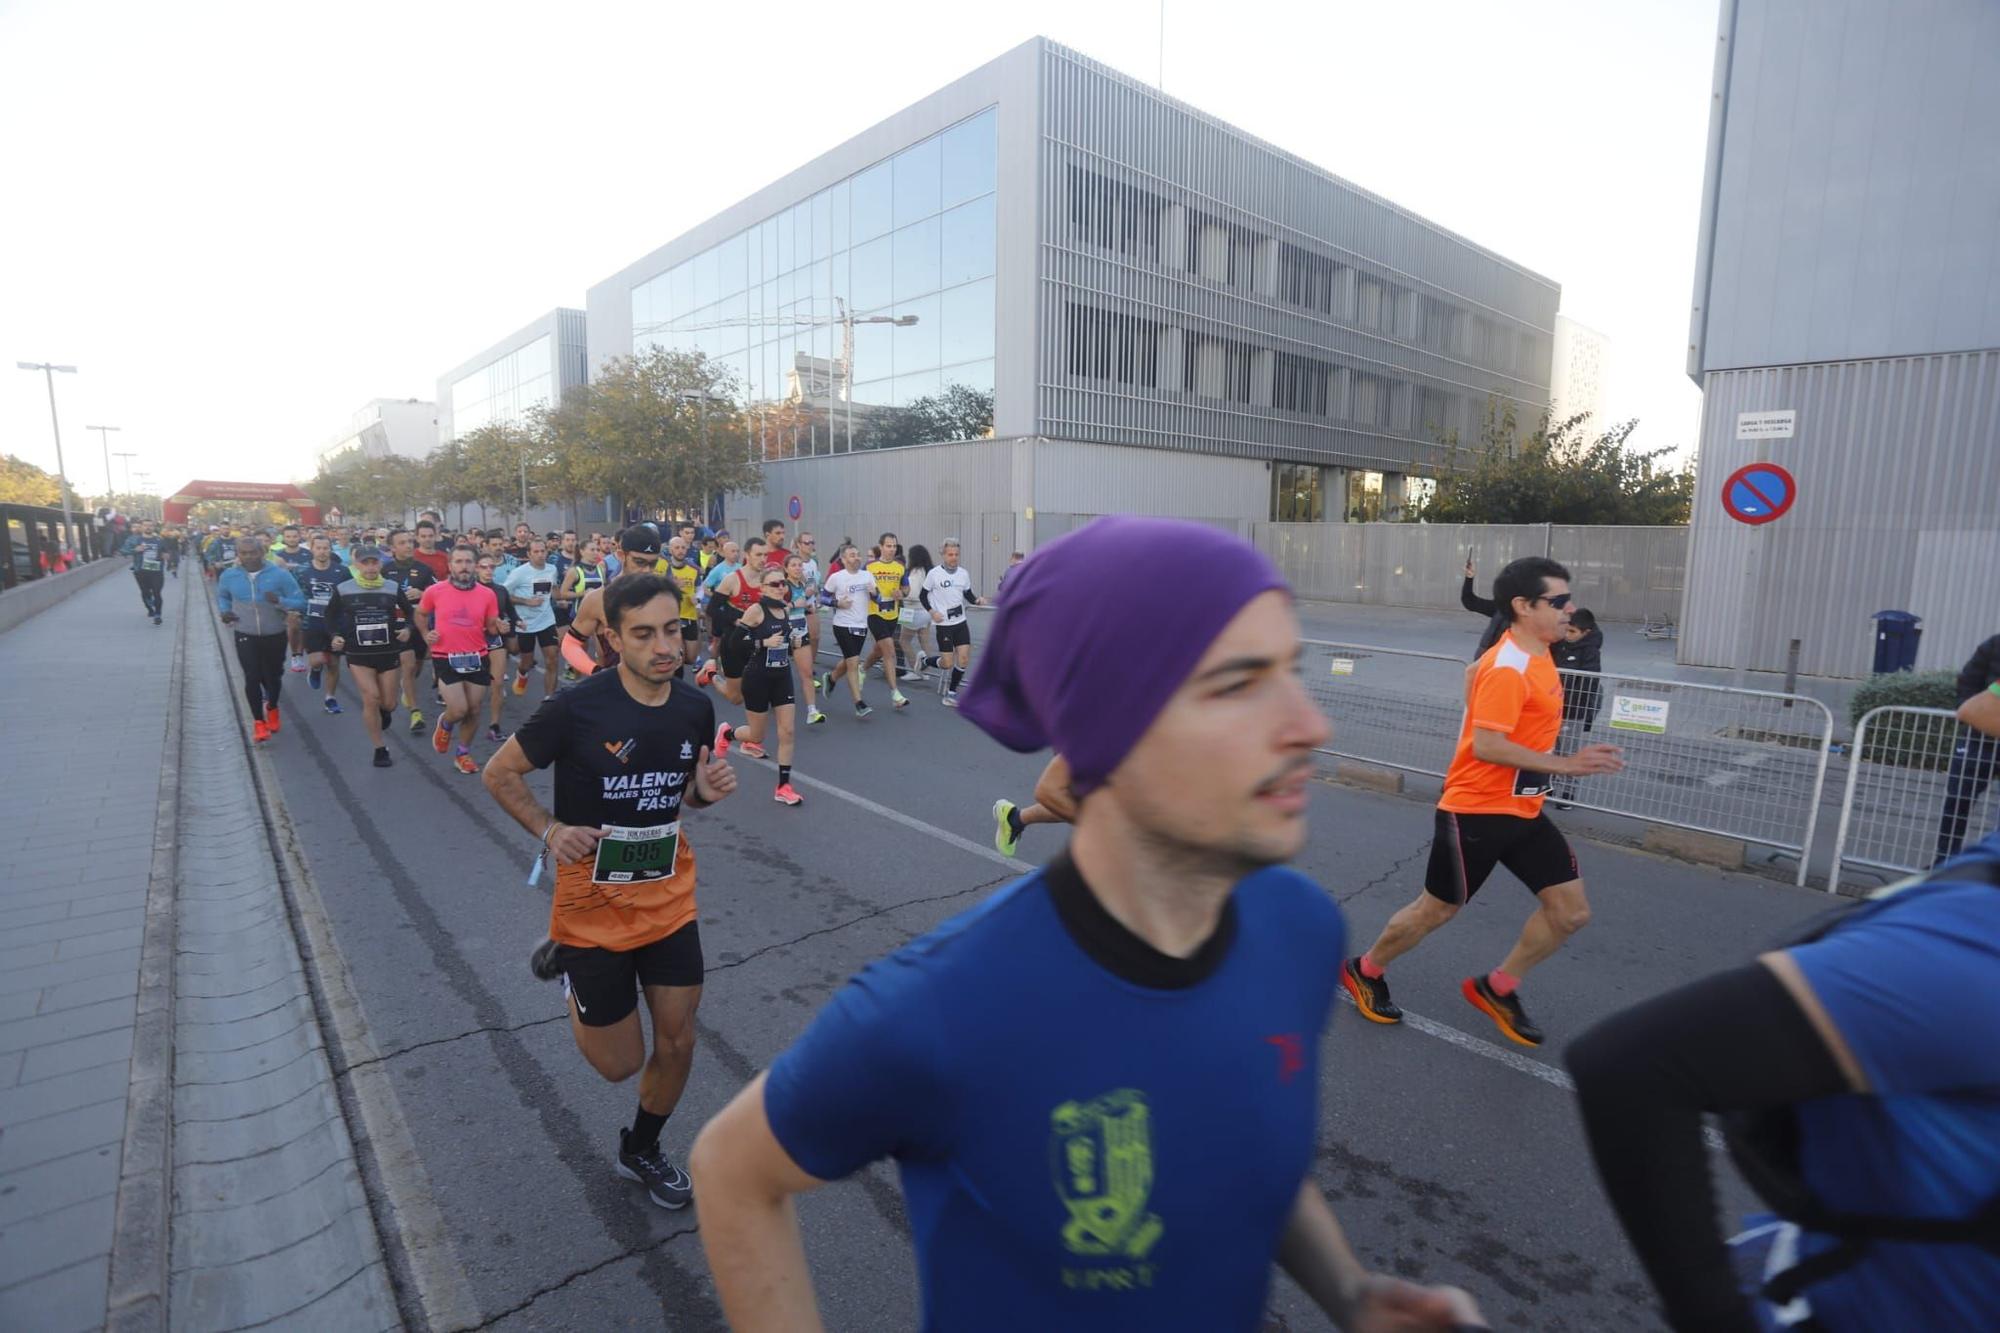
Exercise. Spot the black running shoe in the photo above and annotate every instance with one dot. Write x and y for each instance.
(1505, 1011)
(381, 757)
(862, 709)
(668, 1185)
(1371, 994)
(542, 962)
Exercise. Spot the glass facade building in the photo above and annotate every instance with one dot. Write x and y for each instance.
(529, 369)
(1049, 249)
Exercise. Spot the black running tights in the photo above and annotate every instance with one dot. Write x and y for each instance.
(263, 659)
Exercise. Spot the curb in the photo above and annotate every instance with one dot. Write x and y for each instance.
(136, 1298)
(24, 602)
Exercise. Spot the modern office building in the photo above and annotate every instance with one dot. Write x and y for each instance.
(1847, 329)
(1108, 299)
(1578, 372)
(403, 427)
(531, 367)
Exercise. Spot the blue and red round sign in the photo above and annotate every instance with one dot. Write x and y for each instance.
(1758, 493)
(796, 508)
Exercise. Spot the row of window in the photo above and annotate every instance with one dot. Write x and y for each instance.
(1150, 229)
(1308, 493)
(504, 390)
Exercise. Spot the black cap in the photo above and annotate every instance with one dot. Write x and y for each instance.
(640, 539)
(367, 552)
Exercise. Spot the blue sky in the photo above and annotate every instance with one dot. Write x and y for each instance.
(242, 221)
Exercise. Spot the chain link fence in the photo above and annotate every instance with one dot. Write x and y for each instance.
(1920, 784)
(1747, 764)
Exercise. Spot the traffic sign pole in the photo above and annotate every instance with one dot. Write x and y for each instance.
(1754, 495)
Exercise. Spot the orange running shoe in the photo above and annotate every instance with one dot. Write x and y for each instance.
(520, 683)
(465, 765)
(786, 796)
(260, 733)
(750, 749)
(440, 739)
(722, 735)
(271, 717)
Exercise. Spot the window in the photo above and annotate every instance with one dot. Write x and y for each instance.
(967, 319)
(969, 151)
(1217, 367)
(1115, 216)
(1297, 493)
(968, 242)
(1364, 497)
(870, 203)
(1311, 281)
(916, 259)
(1107, 346)
(1299, 384)
(917, 182)
(870, 280)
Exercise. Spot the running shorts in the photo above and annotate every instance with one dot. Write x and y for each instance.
(531, 639)
(767, 689)
(690, 633)
(851, 641)
(880, 628)
(318, 640)
(955, 635)
(374, 661)
(447, 676)
(604, 984)
(1465, 848)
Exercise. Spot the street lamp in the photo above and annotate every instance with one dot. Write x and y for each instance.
(127, 465)
(104, 439)
(49, 372)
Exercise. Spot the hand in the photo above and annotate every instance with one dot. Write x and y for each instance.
(713, 777)
(431, 637)
(229, 617)
(402, 636)
(569, 843)
(271, 597)
(1596, 759)
(410, 594)
(339, 644)
(1468, 567)
(1390, 1305)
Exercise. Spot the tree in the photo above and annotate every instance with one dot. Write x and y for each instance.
(1558, 474)
(562, 445)
(960, 412)
(664, 431)
(495, 458)
(22, 483)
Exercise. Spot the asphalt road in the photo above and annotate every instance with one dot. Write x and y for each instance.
(1447, 1156)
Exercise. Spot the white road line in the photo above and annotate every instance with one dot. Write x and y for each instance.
(1430, 1027)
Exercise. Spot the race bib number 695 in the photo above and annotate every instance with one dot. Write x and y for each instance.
(636, 855)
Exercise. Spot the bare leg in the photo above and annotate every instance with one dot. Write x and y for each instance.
(787, 731)
(497, 698)
(802, 664)
(753, 728)
(1563, 912)
(1408, 927)
(549, 667)
(471, 697)
(374, 694)
(666, 1073)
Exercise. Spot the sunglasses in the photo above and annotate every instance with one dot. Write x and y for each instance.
(1559, 601)
(776, 583)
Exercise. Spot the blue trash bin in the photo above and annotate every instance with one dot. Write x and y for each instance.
(1896, 636)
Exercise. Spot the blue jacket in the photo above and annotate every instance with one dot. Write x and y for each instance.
(242, 592)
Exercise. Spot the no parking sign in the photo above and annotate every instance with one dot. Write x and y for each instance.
(1758, 493)
(796, 508)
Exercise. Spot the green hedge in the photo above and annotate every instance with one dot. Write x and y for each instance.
(1927, 743)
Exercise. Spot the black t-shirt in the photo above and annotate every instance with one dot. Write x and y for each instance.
(1980, 670)
(504, 600)
(318, 585)
(367, 618)
(618, 761)
(768, 642)
(409, 573)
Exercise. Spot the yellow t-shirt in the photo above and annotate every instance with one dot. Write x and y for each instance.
(888, 576)
(689, 578)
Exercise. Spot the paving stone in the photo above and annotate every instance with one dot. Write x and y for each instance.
(30, 1101)
(66, 1025)
(62, 1133)
(80, 1053)
(47, 1186)
(66, 1301)
(54, 1240)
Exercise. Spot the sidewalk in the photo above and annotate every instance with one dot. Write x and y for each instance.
(85, 710)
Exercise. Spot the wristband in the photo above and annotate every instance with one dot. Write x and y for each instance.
(1994, 688)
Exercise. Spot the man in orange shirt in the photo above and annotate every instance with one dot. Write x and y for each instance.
(1491, 811)
(631, 750)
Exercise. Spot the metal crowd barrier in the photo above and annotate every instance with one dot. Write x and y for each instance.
(1747, 764)
(1920, 783)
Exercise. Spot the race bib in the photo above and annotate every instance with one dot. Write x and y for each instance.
(318, 602)
(636, 855)
(371, 636)
(1528, 783)
(775, 658)
(465, 663)
(150, 561)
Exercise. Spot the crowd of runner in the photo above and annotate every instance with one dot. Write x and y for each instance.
(1155, 964)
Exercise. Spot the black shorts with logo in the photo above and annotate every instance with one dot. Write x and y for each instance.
(880, 628)
(376, 661)
(448, 675)
(957, 634)
(1466, 848)
(530, 639)
(767, 689)
(851, 641)
(318, 640)
(604, 984)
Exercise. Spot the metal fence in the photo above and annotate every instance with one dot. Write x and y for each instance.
(1628, 573)
(1747, 764)
(1919, 785)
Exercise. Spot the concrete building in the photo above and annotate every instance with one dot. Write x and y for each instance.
(533, 366)
(1847, 328)
(1579, 371)
(1051, 263)
(404, 427)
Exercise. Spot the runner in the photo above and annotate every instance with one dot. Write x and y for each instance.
(369, 622)
(945, 592)
(455, 619)
(913, 618)
(802, 596)
(533, 587)
(641, 545)
(293, 556)
(816, 579)
(884, 619)
(411, 577)
(319, 580)
(1127, 1139)
(1055, 803)
(428, 553)
(1491, 812)
(585, 577)
(631, 753)
(686, 575)
(498, 646)
(253, 598)
(148, 551)
(735, 593)
(851, 591)
(723, 559)
(765, 629)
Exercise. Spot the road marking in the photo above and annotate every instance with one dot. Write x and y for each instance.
(1430, 1027)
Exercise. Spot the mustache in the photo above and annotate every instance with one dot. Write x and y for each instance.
(1302, 764)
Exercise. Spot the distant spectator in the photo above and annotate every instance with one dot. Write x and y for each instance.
(1496, 624)
(1012, 561)
(1977, 755)
(1581, 651)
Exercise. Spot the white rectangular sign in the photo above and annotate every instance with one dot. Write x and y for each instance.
(1343, 666)
(1647, 715)
(1766, 425)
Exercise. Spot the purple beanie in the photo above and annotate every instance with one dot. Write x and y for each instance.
(1097, 630)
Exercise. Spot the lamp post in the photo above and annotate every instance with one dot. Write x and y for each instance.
(104, 440)
(50, 372)
(127, 465)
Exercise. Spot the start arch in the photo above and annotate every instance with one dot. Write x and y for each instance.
(177, 505)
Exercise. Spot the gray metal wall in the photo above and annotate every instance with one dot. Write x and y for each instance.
(1853, 195)
(1898, 469)
(1619, 573)
(1142, 200)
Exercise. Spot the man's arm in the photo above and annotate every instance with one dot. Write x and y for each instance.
(505, 776)
(1982, 711)
(225, 604)
(749, 1227)
(1494, 748)
(297, 600)
(1315, 1252)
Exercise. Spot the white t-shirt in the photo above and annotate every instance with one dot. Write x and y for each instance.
(948, 588)
(859, 589)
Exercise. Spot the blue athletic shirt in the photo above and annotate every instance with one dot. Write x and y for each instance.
(1091, 1134)
(1914, 988)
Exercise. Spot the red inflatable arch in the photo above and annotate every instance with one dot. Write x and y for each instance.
(177, 506)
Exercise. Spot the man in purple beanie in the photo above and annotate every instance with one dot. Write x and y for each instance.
(1101, 1085)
